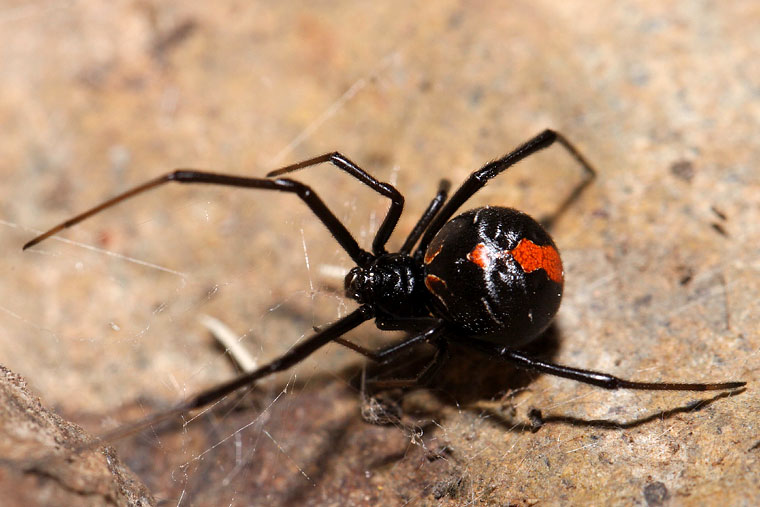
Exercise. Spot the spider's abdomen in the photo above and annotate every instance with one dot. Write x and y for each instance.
(495, 273)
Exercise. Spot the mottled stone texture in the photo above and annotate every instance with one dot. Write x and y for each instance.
(50, 461)
(660, 254)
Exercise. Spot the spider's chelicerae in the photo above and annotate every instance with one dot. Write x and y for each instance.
(490, 278)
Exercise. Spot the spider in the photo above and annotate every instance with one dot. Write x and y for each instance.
(490, 278)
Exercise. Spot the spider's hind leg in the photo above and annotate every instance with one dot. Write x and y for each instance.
(379, 403)
(599, 379)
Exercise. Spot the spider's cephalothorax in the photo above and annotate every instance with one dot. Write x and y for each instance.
(495, 273)
(392, 285)
(490, 278)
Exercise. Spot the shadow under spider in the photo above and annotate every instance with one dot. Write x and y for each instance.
(469, 377)
(538, 419)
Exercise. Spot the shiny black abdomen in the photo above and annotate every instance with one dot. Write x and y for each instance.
(494, 273)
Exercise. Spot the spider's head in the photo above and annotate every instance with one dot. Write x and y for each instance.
(358, 285)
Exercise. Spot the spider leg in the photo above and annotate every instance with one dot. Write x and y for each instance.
(388, 353)
(342, 162)
(479, 178)
(317, 206)
(427, 216)
(430, 370)
(596, 378)
(289, 359)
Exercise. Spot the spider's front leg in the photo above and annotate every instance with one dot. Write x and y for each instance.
(192, 176)
(385, 189)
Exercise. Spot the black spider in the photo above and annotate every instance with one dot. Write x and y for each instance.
(490, 278)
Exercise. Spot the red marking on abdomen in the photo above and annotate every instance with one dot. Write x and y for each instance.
(432, 282)
(531, 257)
(430, 255)
(480, 256)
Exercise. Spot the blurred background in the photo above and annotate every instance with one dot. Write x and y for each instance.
(660, 253)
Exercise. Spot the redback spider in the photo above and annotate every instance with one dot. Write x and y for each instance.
(490, 278)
